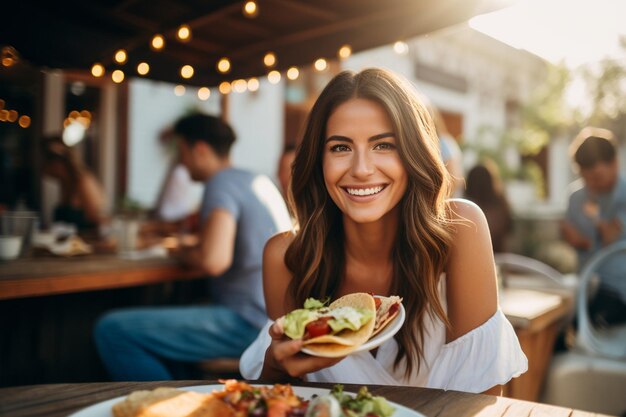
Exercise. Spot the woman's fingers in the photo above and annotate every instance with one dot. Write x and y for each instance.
(286, 353)
(276, 330)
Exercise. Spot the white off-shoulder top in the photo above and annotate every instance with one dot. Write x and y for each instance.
(486, 356)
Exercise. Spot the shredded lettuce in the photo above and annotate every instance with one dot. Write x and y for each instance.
(362, 404)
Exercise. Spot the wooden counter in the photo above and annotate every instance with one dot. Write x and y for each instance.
(32, 277)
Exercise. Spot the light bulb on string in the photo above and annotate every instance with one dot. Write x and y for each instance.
(158, 42)
(250, 8)
(183, 33)
(223, 65)
(293, 73)
(97, 70)
(121, 56)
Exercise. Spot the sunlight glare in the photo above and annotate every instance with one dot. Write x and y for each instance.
(573, 31)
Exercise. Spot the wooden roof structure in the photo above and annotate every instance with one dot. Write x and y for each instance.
(75, 34)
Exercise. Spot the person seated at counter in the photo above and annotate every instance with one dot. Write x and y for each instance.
(82, 197)
(596, 217)
(240, 211)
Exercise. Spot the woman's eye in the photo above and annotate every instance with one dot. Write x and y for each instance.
(384, 146)
(339, 148)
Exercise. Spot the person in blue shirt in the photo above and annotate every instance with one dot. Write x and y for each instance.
(240, 211)
(596, 218)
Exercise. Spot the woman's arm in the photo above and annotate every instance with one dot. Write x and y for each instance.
(470, 272)
(471, 288)
(283, 360)
(91, 196)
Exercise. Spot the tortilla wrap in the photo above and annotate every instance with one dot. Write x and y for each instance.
(344, 342)
(383, 318)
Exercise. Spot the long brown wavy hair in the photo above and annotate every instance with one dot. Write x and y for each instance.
(316, 256)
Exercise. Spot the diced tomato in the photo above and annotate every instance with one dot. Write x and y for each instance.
(377, 302)
(393, 309)
(317, 328)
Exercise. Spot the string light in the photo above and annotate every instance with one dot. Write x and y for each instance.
(12, 117)
(223, 65)
(273, 77)
(158, 42)
(401, 48)
(97, 70)
(240, 86)
(225, 87)
(321, 64)
(184, 33)
(121, 56)
(179, 90)
(117, 76)
(24, 121)
(293, 73)
(204, 93)
(250, 9)
(186, 71)
(253, 84)
(143, 68)
(269, 59)
(345, 51)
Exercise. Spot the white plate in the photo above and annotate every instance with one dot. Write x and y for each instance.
(103, 409)
(388, 332)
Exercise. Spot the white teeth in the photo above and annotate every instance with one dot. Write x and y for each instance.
(365, 191)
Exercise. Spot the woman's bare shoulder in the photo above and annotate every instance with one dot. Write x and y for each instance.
(465, 210)
(277, 245)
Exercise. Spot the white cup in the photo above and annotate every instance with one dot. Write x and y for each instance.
(126, 232)
(10, 247)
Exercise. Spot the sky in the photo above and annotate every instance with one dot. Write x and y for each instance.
(575, 32)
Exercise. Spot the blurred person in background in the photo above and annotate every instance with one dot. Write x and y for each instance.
(240, 212)
(284, 167)
(82, 198)
(596, 218)
(450, 152)
(484, 187)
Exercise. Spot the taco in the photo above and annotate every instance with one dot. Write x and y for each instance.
(335, 330)
(387, 308)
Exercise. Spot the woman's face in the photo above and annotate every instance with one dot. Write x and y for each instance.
(363, 172)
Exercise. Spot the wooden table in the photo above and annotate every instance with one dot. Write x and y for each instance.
(63, 399)
(32, 277)
(537, 317)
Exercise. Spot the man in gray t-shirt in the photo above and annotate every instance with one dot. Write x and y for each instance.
(240, 212)
(596, 218)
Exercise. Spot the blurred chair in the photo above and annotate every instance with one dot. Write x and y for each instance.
(592, 375)
(513, 263)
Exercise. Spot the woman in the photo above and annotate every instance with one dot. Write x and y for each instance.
(368, 191)
(82, 198)
(485, 189)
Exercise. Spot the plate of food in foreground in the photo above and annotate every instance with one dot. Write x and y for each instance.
(240, 399)
(353, 323)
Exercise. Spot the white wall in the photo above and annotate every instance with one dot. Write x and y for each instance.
(258, 120)
(153, 107)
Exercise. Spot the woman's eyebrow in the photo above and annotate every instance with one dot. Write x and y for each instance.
(371, 139)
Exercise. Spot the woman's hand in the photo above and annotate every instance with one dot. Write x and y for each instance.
(283, 359)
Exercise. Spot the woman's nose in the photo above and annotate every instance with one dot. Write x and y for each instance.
(362, 165)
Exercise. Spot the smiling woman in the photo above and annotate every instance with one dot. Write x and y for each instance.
(369, 196)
